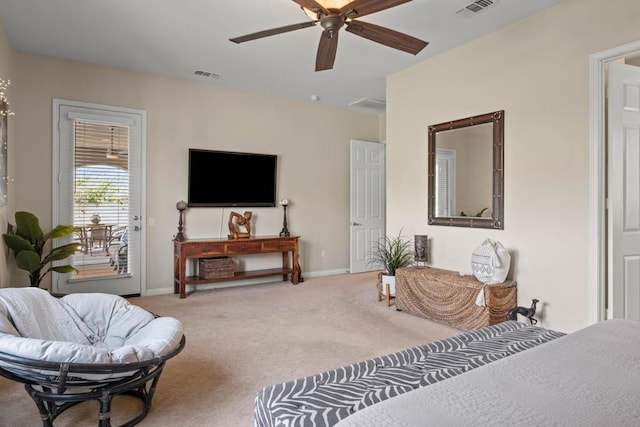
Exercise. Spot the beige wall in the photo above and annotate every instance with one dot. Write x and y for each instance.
(6, 73)
(537, 70)
(311, 140)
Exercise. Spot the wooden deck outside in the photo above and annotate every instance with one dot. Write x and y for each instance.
(93, 265)
(94, 270)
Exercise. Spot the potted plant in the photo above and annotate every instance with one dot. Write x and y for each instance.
(27, 240)
(391, 253)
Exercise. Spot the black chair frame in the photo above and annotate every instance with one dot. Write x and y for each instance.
(55, 387)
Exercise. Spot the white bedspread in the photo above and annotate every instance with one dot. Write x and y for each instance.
(587, 378)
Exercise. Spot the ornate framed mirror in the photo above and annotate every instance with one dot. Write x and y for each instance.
(466, 172)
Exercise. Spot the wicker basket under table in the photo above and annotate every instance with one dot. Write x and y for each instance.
(215, 268)
(447, 297)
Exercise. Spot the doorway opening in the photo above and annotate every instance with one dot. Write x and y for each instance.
(600, 290)
(98, 187)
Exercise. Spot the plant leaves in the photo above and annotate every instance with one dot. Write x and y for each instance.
(28, 242)
(60, 231)
(63, 269)
(28, 227)
(392, 253)
(28, 261)
(17, 243)
(60, 253)
(58, 269)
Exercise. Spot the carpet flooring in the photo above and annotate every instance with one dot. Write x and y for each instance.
(241, 339)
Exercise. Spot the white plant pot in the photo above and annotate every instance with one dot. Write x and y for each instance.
(391, 281)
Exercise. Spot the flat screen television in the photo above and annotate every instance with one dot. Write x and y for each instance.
(225, 178)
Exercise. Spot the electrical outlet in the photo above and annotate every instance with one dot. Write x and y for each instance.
(151, 222)
(323, 253)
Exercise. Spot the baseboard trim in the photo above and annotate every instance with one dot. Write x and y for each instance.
(220, 285)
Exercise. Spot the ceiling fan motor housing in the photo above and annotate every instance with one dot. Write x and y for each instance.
(332, 22)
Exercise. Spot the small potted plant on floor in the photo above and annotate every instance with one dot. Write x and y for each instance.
(391, 253)
(27, 240)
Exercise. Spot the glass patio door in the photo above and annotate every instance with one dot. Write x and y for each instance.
(98, 189)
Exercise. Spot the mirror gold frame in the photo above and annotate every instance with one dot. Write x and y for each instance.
(496, 221)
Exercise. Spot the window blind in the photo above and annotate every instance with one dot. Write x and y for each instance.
(101, 173)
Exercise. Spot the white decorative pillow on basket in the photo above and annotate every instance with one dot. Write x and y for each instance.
(490, 262)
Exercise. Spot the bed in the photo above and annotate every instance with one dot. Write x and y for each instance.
(330, 397)
(588, 378)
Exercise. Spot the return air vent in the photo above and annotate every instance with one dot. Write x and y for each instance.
(472, 9)
(202, 73)
(369, 104)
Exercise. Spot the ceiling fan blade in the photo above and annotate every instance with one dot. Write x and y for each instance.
(387, 37)
(312, 5)
(359, 8)
(272, 32)
(327, 50)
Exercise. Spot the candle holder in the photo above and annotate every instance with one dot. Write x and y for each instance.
(181, 206)
(285, 231)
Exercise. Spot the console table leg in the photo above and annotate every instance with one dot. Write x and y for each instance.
(183, 276)
(285, 265)
(296, 276)
(176, 274)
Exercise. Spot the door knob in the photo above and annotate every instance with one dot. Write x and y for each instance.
(355, 224)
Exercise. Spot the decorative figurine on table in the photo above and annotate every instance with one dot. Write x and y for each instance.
(237, 222)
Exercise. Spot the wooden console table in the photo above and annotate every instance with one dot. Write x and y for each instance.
(447, 297)
(209, 248)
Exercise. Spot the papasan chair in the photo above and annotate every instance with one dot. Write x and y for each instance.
(83, 347)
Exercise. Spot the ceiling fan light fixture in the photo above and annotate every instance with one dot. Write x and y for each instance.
(315, 16)
(330, 5)
(112, 154)
(334, 4)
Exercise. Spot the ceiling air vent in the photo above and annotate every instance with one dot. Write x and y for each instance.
(202, 73)
(369, 104)
(472, 9)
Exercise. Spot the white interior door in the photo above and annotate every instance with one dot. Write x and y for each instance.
(367, 202)
(98, 187)
(446, 182)
(624, 191)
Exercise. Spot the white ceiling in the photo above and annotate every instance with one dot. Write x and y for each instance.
(173, 38)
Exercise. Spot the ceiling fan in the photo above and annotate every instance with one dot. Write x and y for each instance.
(332, 15)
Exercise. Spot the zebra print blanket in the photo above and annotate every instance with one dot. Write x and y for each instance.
(325, 399)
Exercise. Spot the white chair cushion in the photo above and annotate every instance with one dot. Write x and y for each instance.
(36, 314)
(82, 328)
(124, 318)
